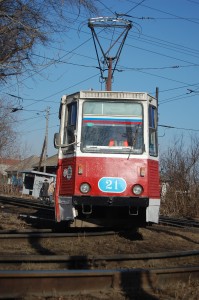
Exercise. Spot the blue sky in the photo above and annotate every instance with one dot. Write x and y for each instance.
(161, 50)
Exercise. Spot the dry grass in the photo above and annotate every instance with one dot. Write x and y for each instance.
(179, 204)
(180, 291)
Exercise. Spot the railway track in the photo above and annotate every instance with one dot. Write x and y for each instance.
(174, 258)
(63, 275)
(26, 203)
(49, 233)
(179, 222)
(47, 212)
(56, 274)
(46, 283)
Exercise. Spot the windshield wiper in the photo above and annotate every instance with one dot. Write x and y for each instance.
(134, 140)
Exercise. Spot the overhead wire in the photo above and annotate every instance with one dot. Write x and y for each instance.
(105, 6)
(138, 4)
(165, 44)
(96, 75)
(164, 12)
(173, 127)
(188, 19)
(39, 129)
(65, 89)
(179, 97)
(69, 52)
(179, 128)
(80, 45)
(86, 41)
(139, 69)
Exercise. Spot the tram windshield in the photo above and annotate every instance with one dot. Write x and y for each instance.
(109, 126)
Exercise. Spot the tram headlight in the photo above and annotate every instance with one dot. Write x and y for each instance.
(85, 188)
(137, 189)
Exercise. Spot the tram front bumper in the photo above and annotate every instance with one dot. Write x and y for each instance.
(110, 201)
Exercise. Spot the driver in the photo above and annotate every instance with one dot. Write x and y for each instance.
(119, 139)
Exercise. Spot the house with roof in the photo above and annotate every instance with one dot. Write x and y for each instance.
(28, 175)
(6, 163)
(49, 165)
(14, 173)
(43, 171)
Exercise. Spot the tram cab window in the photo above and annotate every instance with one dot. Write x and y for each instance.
(69, 130)
(153, 131)
(112, 127)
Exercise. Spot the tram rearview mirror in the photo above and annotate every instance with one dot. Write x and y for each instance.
(57, 140)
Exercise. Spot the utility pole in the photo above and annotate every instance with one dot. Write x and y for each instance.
(109, 79)
(46, 138)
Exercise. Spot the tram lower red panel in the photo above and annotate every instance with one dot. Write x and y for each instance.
(75, 171)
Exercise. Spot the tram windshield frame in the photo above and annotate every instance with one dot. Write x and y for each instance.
(112, 127)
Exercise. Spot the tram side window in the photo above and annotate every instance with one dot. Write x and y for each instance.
(153, 131)
(69, 131)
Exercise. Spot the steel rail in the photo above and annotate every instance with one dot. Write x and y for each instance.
(35, 204)
(27, 231)
(16, 284)
(91, 258)
(179, 222)
(32, 235)
(27, 203)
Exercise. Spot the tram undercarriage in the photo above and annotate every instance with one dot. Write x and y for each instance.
(109, 211)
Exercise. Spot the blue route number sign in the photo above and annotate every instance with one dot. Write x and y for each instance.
(112, 184)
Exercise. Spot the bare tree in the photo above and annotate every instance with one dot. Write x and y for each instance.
(27, 23)
(180, 170)
(7, 125)
(10, 140)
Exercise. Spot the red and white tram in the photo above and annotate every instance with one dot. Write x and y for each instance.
(108, 170)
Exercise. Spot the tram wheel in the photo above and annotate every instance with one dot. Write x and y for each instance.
(62, 226)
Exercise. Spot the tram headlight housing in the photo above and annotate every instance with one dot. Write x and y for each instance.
(85, 188)
(137, 189)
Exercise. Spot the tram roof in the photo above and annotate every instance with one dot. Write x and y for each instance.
(116, 95)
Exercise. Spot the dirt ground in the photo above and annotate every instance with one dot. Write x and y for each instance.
(143, 240)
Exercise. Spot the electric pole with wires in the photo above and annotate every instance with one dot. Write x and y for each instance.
(44, 151)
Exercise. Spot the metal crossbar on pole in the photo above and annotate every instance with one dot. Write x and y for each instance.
(110, 61)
